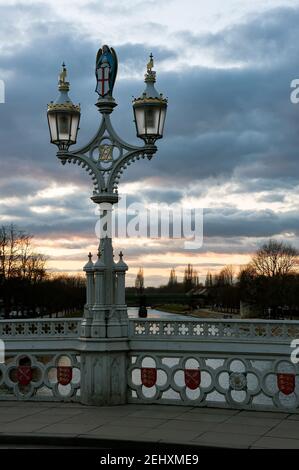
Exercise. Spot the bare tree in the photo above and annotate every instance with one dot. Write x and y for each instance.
(17, 259)
(190, 278)
(173, 280)
(139, 282)
(35, 267)
(9, 253)
(227, 275)
(274, 258)
(3, 251)
(209, 279)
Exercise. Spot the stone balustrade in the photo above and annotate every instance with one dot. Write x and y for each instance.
(50, 327)
(203, 329)
(202, 362)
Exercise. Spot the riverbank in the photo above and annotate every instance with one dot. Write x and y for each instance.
(185, 310)
(174, 308)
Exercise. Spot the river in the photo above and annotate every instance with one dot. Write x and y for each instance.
(157, 314)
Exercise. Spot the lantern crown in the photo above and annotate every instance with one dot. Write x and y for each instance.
(63, 102)
(150, 92)
(150, 108)
(63, 115)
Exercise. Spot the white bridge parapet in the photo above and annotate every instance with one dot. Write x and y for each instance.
(206, 329)
(242, 364)
(49, 327)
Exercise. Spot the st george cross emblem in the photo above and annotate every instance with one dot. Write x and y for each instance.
(192, 378)
(24, 375)
(103, 85)
(105, 152)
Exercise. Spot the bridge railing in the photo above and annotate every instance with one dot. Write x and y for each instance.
(221, 363)
(42, 359)
(53, 327)
(202, 362)
(206, 329)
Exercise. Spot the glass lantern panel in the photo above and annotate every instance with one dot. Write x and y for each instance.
(139, 116)
(151, 118)
(52, 127)
(64, 126)
(162, 121)
(74, 127)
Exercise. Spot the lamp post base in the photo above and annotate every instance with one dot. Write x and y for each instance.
(103, 372)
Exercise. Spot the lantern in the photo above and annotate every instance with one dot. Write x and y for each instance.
(63, 116)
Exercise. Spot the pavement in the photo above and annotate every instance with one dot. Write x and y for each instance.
(54, 424)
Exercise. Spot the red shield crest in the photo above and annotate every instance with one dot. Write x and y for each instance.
(64, 374)
(286, 383)
(24, 375)
(148, 376)
(192, 378)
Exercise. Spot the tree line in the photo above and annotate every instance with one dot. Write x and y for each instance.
(190, 280)
(269, 282)
(26, 289)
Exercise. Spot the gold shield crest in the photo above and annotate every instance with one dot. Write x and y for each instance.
(105, 152)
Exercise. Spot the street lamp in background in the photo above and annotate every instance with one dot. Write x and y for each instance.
(105, 157)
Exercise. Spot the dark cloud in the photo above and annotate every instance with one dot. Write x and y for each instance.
(18, 186)
(266, 39)
(232, 223)
(234, 123)
(272, 197)
(168, 196)
(124, 8)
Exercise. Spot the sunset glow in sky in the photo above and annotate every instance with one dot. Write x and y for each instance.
(231, 142)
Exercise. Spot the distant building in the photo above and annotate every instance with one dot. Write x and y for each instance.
(200, 296)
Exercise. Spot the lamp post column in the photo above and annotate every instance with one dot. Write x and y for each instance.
(116, 322)
(87, 317)
(104, 332)
(98, 328)
(120, 294)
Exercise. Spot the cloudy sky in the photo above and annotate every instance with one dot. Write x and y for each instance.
(231, 143)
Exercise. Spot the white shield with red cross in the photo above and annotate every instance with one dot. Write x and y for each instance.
(286, 383)
(103, 85)
(64, 374)
(24, 375)
(192, 378)
(148, 376)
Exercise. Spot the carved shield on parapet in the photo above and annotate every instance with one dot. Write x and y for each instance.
(286, 383)
(24, 375)
(192, 378)
(148, 376)
(64, 374)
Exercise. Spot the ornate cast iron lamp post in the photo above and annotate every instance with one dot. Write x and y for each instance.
(105, 157)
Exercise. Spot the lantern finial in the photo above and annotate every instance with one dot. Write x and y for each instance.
(150, 76)
(150, 64)
(63, 85)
